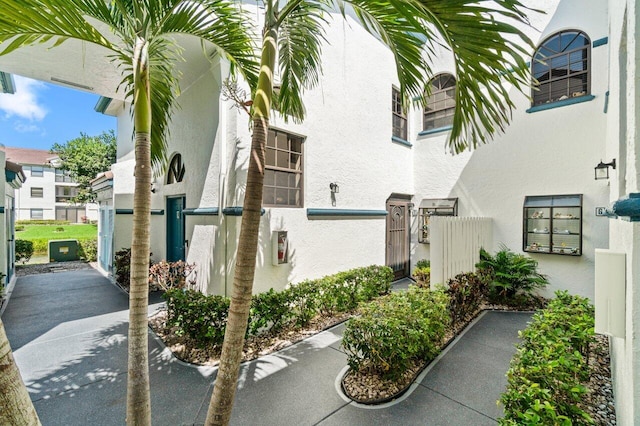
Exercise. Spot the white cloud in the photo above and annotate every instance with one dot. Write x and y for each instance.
(24, 103)
(22, 127)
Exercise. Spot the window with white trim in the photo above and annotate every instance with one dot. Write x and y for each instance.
(37, 171)
(37, 192)
(561, 68)
(36, 214)
(399, 117)
(283, 174)
(440, 102)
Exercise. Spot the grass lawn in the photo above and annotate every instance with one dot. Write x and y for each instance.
(51, 232)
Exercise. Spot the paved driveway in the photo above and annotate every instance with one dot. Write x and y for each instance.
(68, 332)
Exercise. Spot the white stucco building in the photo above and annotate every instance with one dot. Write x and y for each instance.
(347, 187)
(48, 192)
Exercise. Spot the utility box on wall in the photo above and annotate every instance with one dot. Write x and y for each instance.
(610, 301)
(63, 250)
(280, 247)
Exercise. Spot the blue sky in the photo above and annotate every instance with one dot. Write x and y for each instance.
(41, 114)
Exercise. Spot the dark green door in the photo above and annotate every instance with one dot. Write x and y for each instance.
(175, 229)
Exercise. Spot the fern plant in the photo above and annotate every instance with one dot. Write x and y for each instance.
(509, 273)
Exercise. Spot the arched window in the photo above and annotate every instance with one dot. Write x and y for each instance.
(561, 67)
(176, 170)
(441, 102)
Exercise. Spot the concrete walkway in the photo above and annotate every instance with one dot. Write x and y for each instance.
(68, 332)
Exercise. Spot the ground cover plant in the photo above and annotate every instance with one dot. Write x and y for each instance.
(422, 273)
(547, 375)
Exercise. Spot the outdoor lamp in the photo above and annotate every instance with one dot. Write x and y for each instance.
(334, 188)
(602, 169)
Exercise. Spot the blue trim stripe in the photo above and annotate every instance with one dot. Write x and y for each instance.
(600, 42)
(401, 141)
(437, 130)
(102, 105)
(1, 209)
(236, 211)
(130, 211)
(345, 212)
(561, 103)
(202, 211)
(6, 83)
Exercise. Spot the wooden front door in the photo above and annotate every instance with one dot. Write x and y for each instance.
(398, 231)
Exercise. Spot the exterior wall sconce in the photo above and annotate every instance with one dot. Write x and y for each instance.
(602, 169)
(334, 188)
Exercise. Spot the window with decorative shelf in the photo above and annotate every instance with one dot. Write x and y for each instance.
(553, 224)
(434, 207)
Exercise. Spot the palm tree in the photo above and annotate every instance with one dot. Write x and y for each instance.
(486, 63)
(16, 407)
(140, 37)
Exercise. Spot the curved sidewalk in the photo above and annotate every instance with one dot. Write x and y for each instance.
(68, 332)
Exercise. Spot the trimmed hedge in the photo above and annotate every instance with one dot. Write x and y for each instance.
(395, 331)
(546, 375)
(24, 251)
(42, 222)
(199, 316)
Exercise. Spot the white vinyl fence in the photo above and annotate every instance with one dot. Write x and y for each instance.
(456, 243)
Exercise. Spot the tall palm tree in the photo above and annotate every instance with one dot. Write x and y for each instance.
(487, 62)
(16, 407)
(140, 34)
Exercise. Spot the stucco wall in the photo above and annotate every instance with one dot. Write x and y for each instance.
(622, 143)
(543, 153)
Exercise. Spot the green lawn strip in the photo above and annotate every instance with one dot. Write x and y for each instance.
(42, 234)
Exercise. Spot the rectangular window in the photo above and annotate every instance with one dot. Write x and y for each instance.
(37, 192)
(73, 215)
(283, 177)
(63, 176)
(65, 193)
(36, 214)
(553, 224)
(399, 117)
(37, 171)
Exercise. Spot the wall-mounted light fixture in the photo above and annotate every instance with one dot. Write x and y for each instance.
(334, 188)
(602, 169)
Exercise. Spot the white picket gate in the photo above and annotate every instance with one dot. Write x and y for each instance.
(456, 243)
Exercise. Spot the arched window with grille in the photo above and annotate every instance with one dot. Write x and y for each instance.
(561, 68)
(441, 102)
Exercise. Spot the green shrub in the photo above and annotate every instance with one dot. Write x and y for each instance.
(509, 274)
(19, 228)
(42, 222)
(466, 293)
(24, 250)
(59, 229)
(166, 275)
(88, 249)
(395, 331)
(546, 375)
(423, 263)
(201, 317)
(270, 311)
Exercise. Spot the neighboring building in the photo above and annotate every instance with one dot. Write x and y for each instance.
(48, 193)
(352, 184)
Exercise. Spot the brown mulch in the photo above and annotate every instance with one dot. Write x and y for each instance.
(194, 352)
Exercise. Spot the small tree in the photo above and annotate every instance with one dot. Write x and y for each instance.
(84, 157)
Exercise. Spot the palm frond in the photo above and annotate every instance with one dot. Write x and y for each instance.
(219, 22)
(300, 37)
(30, 22)
(488, 53)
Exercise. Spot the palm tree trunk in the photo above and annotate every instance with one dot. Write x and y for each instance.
(16, 407)
(138, 393)
(226, 380)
